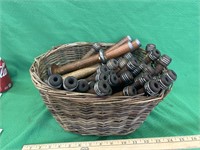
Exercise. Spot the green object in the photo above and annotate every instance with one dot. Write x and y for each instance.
(30, 28)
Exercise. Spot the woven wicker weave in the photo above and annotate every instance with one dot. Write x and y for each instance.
(85, 113)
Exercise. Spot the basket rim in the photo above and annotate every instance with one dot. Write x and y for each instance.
(78, 97)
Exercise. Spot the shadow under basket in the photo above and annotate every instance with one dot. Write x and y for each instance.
(86, 113)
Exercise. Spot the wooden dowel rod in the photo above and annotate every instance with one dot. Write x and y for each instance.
(82, 73)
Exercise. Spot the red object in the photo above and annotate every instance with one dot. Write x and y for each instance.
(5, 81)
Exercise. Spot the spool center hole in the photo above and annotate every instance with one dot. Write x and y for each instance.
(104, 86)
(105, 78)
(156, 85)
(71, 81)
(55, 79)
(83, 85)
(157, 52)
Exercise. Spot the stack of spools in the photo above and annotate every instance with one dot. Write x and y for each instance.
(115, 71)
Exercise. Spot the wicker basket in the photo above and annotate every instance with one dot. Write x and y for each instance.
(85, 113)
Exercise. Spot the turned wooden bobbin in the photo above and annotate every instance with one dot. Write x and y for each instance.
(101, 88)
(55, 81)
(82, 86)
(171, 75)
(130, 66)
(151, 88)
(150, 47)
(164, 82)
(127, 91)
(113, 80)
(141, 80)
(152, 56)
(102, 69)
(70, 83)
(126, 78)
(112, 64)
(162, 63)
(101, 76)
